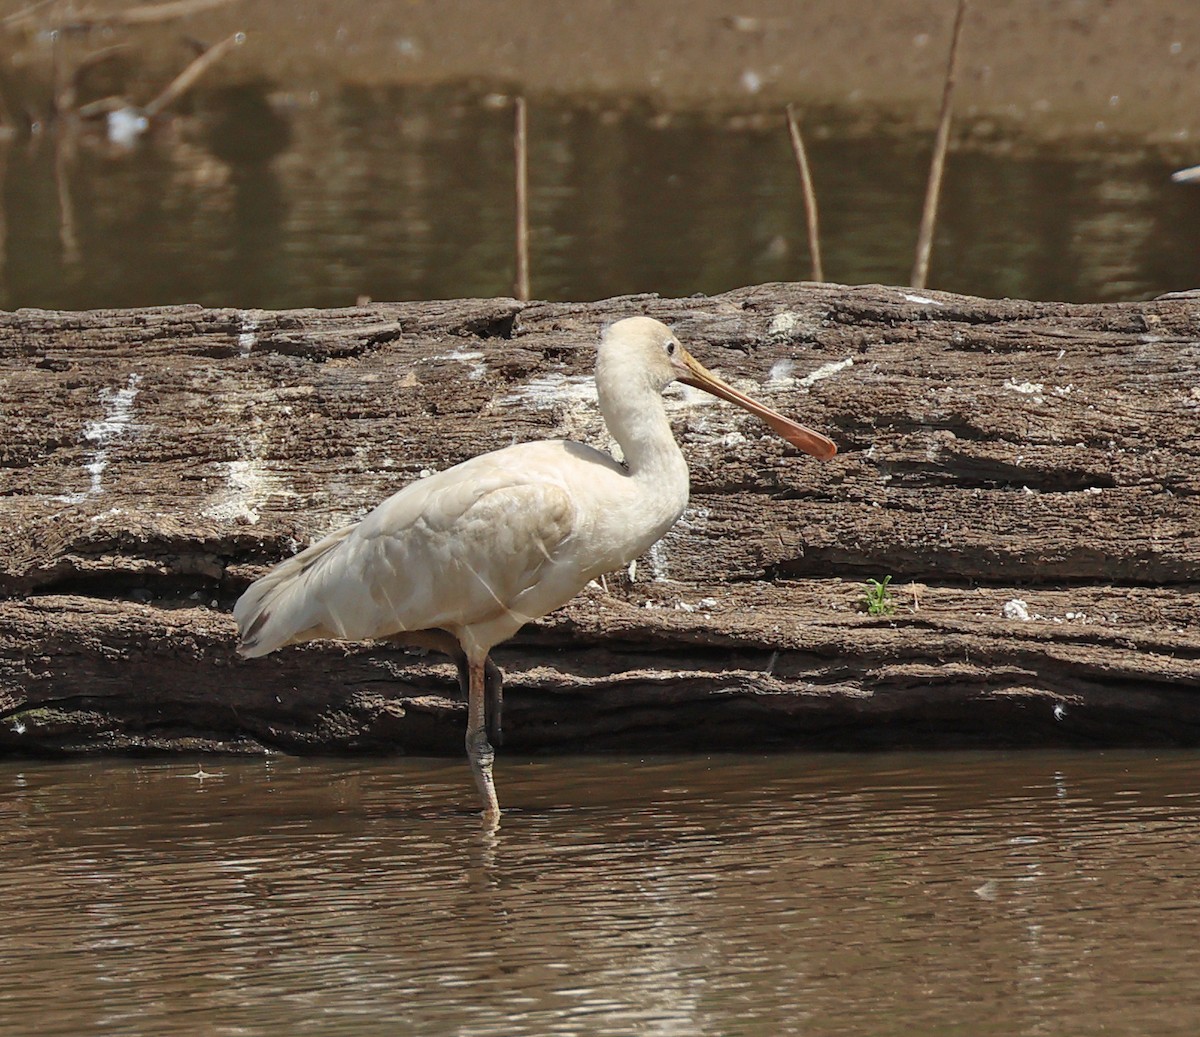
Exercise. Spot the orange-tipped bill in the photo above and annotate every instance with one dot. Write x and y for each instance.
(695, 374)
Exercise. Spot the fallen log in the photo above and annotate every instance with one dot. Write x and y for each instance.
(1024, 472)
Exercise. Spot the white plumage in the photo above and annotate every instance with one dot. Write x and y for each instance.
(463, 559)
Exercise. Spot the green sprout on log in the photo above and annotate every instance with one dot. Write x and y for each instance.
(878, 599)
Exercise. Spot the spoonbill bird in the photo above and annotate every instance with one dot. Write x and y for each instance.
(461, 560)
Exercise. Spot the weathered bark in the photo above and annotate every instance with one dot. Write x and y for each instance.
(155, 461)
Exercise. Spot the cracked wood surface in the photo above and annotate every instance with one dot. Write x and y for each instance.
(153, 462)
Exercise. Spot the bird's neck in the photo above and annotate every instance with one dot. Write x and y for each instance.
(649, 500)
(637, 420)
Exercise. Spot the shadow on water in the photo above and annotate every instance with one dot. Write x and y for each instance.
(407, 193)
(989, 894)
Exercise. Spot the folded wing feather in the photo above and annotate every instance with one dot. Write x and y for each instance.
(459, 548)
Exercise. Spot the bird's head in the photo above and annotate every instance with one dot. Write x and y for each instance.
(646, 349)
(639, 348)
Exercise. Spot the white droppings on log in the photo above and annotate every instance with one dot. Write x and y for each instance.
(693, 519)
(249, 486)
(686, 397)
(473, 358)
(825, 371)
(781, 373)
(550, 391)
(116, 422)
(249, 482)
(783, 326)
(656, 558)
(247, 339)
(572, 398)
(1016, 609)
(1034, 389)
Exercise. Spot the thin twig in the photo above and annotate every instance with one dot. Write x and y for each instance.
(146, 14)
(68, 94)
(64, 157)
(25, 14)
(8, 125)
(4, 300)
(521, 287)
(97, 57)
(187, 78)
(103, 105)
(161, 12)
(810, 195)
(61, 97)
(933, 189)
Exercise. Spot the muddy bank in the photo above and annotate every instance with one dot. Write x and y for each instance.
(1086, 70)
(1022, 471)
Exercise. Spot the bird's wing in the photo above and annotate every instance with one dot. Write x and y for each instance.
(278, 605)
(462, 547)
(465, 550)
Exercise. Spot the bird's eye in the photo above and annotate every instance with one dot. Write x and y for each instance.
(670, 349)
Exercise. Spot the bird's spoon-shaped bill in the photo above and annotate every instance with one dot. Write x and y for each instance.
(692, 372)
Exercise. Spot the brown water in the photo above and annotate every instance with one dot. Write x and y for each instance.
(406, 193)
(1036, 893)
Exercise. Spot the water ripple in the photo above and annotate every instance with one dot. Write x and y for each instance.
(991, 894)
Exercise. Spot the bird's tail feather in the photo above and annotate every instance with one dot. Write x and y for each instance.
(278, 609)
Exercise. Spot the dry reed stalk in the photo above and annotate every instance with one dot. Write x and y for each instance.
(937, 165)
(144, 14)
(147, 14)
(64, 159)
(187, 78)
(810, 195)
(67, 95)
(520, 147)
(25, 14)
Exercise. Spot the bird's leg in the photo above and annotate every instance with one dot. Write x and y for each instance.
(493, 700)
(479, 750)
(493, 683)
(482, 684)
(464, 675)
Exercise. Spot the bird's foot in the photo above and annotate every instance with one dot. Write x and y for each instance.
(491, 820)
(481, 756)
